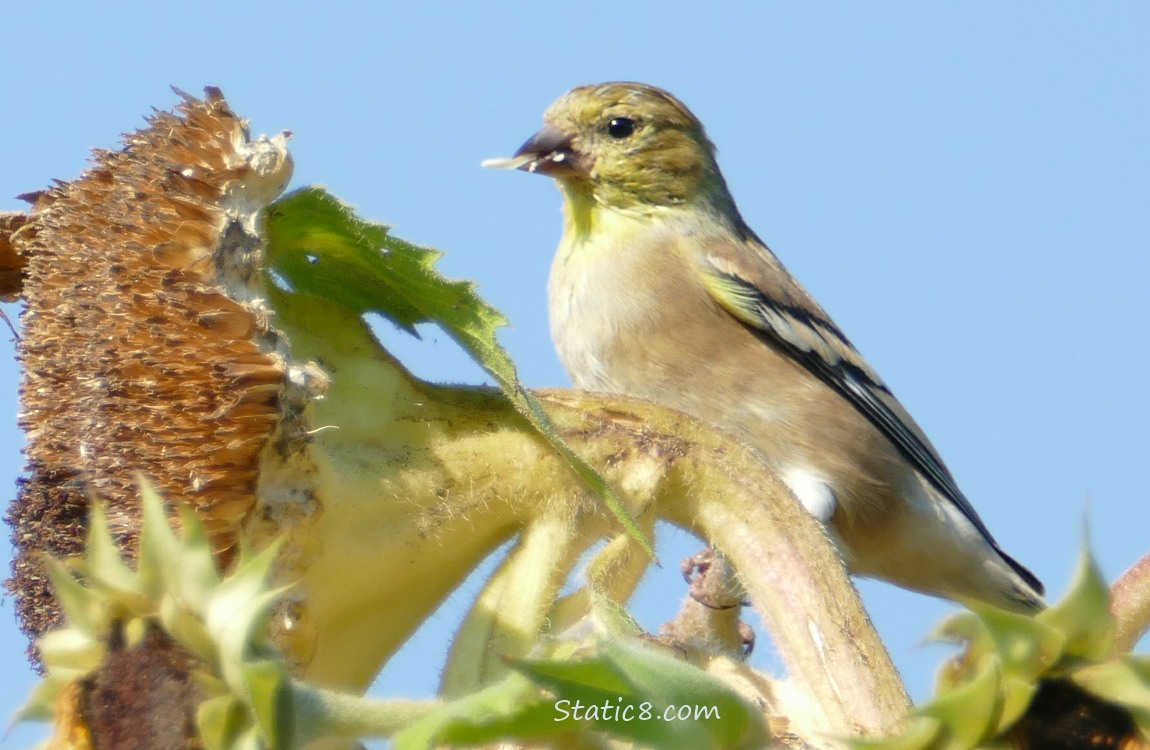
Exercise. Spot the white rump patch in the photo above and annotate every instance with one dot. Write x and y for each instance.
(813, 492)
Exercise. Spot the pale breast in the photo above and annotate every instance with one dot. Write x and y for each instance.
(610, 300)
(628, 316)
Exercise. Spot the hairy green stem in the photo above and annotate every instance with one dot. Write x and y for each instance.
(322, 713)
(720, 489)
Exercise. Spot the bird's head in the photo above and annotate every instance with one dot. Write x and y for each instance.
(626, 146)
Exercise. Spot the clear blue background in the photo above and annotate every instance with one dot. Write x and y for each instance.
(964, 186)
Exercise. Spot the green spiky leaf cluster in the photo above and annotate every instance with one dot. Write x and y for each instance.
(220, 621)
(252, 702)
(986, 693)
(318, 247)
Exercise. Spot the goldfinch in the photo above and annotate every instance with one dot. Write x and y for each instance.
(660, 290)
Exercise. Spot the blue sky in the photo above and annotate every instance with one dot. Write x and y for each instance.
(964, 186)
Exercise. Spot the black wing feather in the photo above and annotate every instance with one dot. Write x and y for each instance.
(862, 391)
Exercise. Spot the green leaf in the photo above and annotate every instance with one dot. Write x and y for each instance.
(965, 629)
(969, 713)
(82, 608)
(511, 708)
(920, 733)
(237, 604)
(1083, 615)
(71, 649)
(105, 567)
(634, 691)
(655, 672)
(187, 628)
(319, 247)
(1016, 696)
(621, 692)
(1025, 646)
(962, 627)
(251, 739)
(238, 614)
(220, 721)
(270, 700)
(198, 575)
(159, 548)
(611, 617)
(41, 703)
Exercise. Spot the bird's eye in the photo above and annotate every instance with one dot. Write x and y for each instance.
(620, 127)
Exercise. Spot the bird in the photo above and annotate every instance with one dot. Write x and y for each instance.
(660, 290)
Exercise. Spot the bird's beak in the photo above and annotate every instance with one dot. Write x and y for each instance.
(549, 152)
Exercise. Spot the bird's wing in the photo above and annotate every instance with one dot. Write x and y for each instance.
(748, 281)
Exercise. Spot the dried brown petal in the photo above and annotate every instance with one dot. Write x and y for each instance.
(136, 356)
